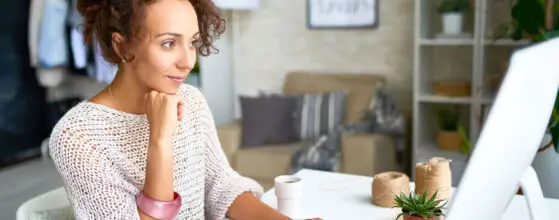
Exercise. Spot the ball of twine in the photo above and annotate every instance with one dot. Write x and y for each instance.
(434, 176)
(388, 185)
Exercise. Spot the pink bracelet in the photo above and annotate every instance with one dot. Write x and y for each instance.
(165, 210)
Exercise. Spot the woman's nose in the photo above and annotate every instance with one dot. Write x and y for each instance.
(188, 58)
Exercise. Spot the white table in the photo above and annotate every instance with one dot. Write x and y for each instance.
(333, 196)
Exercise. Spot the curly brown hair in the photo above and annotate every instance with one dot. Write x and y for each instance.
(104, 17)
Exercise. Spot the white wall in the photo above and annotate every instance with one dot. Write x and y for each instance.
(274, 39)
(217, 76)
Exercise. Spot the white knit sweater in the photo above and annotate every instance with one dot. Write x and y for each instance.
(101, 155)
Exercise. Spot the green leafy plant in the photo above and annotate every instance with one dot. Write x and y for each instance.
(538, 21)
(449, 6)
(449, 119)
(466, 147)
(196, 68)
(419, 205)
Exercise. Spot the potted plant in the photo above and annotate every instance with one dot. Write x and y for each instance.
(451, 135)
(538, 21)
(452, 15)
(448, 137)
(418, 207)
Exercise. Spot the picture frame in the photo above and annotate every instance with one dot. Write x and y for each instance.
(342, 14)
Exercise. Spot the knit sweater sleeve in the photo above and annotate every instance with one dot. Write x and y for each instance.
(93, 184)
(223, 184)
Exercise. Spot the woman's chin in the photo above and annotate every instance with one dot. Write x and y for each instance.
(168, 89)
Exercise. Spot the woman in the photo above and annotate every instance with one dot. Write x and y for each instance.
(146, 146)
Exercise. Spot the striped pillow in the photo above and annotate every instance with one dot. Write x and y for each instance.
(319, 114)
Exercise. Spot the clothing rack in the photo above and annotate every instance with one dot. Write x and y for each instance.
(59, 55)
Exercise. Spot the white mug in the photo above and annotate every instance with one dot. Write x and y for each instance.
(289, 193)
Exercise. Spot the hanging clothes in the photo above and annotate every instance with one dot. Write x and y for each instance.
(52, 39)
(48, 52)
(57, 47)
(75, 20)
(22, 104)
(79, 49)
(35, 18)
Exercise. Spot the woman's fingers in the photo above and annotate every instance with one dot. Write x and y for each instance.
(180, 107)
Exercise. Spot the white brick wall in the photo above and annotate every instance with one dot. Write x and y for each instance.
(274, 39)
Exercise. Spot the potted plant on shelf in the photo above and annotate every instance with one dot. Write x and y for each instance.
(451, 135)
(452, 12)
(418, 207)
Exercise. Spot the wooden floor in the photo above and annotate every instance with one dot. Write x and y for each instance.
(24, 181)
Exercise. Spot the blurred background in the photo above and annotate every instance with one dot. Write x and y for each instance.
(404, 81)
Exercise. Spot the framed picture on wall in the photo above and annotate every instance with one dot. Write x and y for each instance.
(339, 14)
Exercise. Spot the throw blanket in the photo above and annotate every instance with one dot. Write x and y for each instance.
(381, 117)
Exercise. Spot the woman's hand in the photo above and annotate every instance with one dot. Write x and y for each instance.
(163, 112)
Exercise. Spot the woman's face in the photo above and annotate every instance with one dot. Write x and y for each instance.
(167, 52)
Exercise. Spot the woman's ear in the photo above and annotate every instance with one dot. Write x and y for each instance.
(118, 44)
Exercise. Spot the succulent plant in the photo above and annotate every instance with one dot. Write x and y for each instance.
(420, 206)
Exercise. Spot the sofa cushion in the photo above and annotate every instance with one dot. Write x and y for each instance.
(268, 120)
(319, 114)
(266, 161)
(360, 89)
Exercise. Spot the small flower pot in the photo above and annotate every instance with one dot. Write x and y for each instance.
(449, 140)
(452, 88)
(408, 217)
(452, 23)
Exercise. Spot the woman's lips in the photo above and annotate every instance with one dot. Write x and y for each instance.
(178, 79)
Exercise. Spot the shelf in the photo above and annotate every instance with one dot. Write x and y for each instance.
(443, 99)
(433, 69)
(495, 65)
(429, 120)
(429, 117)
(447, 42)
(506, 42)
(430, 150)
(486, 99)
(466, 42)
(474, 57)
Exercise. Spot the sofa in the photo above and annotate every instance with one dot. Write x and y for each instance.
(362, 154)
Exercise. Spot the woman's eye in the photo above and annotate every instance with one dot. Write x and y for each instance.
(168, 44)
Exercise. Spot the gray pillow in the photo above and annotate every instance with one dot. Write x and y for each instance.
(319, 114)
(268, 120)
